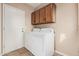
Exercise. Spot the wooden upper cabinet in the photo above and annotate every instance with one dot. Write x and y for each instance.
(42, 16)
(53, 13)
(33, 18)
(49, 13)
(37, 17)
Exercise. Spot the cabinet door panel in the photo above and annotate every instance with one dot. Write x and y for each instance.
(37, 17)
(42, 15)
(33, 18)
(49, 13)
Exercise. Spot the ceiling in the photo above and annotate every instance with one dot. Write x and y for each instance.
(34, 5)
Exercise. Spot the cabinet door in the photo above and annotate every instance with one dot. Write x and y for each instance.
(42, 15)
(33, 18)
(37, 17)
(49, 13)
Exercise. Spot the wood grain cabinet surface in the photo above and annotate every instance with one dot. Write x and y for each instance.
(49, 13)
(37, 17)
(44, 15)
(33, 18)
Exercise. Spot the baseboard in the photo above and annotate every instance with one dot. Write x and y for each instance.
(63, 54)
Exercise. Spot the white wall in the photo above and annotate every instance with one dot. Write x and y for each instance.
(28, 10)
(0, 28)
(65, 29)
(78, 26)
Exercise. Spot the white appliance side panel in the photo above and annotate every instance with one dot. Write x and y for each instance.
(34, 44)
(49, 45)
(40, 44)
